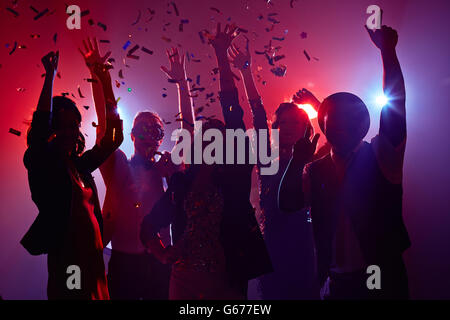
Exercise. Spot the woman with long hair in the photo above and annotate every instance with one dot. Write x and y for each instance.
(218, 246)
(68, 227)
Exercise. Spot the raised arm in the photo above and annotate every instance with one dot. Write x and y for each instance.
(113, 135)
(92, 57)
(50, 62)
(177, 74)
(291, 194)
(393, 115)
(40, 126)
(305, 96)
(229, 98)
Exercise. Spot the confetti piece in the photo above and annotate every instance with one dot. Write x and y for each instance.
(14, 48)
(117, 84)
(198, 79)
(105, 41)
(303, 35)
(34, 9)
(14, 12)
(58, 75)
(101, 25)
(94, 124)
(35, 36)
(133, 57)
(200, 109)
(137, 19)
(120, 74)
(132, 50)
(202, 39)
(91, 80)
(164, 95)
(278, 39)
(166, 39)
(307, 55)
(41, 14)
(180, 27)
(91, 22)
(79, 92)
(20, 89)
(84, 13)
(279, 71)
(129, 89)
(277, 58)
(216, 10)
(147, 50)
(175, 8)
(86, 107)
(15, 132)
(65, 94)
(55, 36)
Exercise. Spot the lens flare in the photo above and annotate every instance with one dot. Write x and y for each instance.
(382, 100)
(312, 114)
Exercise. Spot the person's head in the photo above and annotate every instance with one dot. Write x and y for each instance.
(292, 122)
(345, 121)
(147, 133)
(65, 126)
(206, 125)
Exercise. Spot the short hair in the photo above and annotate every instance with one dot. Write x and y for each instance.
(341, 99)
(145, 116)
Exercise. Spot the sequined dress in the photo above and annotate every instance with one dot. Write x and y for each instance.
(200, 246)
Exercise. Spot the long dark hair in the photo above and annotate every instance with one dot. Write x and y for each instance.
(61, 103)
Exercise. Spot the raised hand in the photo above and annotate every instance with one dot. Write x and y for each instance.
(50, 63)
(304, 149)
(240, 59)
(92, 55)
(222, 40)
(177, 70)
(304, 96)
(384, 39)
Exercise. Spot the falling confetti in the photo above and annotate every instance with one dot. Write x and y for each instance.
(15, 132)
(79, 92)
(137, 19)
(307, 55)
(41, 14)
(101, 25)
(14, 12)
(14, 48)
(147, 50)
(279, 71)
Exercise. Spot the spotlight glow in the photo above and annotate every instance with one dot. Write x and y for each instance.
(312, 114)
(382, 100)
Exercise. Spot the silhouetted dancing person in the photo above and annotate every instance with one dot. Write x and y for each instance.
(288, 238)
(69, 224)
(218, 246)
(355, 193)
(132, 188)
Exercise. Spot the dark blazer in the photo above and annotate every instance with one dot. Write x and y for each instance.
(50, 182)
